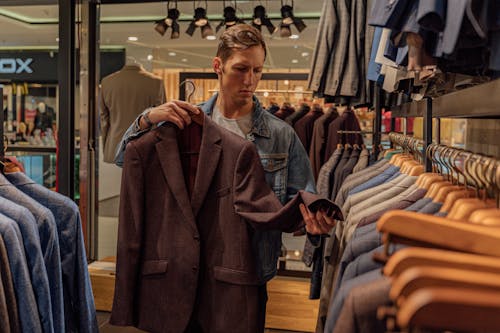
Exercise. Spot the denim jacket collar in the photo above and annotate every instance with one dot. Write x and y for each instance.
(259, 128)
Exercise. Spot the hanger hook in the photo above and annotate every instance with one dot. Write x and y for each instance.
(191, 93)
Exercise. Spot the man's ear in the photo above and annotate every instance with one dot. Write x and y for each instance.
(217, 65)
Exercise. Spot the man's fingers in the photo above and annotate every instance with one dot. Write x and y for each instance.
(187, 106)
(182, 113)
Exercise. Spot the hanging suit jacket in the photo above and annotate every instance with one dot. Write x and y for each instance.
(9, 317)
(182, 258)
(124, 95)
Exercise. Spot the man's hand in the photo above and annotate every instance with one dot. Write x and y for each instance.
(177, 112)
(316, 223)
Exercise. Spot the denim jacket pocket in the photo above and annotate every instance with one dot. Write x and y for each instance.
(276, 171)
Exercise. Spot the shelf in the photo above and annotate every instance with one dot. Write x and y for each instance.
(412, 109)
(31, 149)
(481, 101)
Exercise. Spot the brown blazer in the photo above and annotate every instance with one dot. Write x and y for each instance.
(124, 95)
(179, 257)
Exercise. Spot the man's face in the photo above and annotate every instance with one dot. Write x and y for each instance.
(240, 74)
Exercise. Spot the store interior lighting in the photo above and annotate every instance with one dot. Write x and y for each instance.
(260, 18)
(288, 18)
(171, 21)
(200, 20)
(230, 18)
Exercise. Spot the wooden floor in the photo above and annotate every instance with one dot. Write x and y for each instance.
(105, 327)
(288, 309)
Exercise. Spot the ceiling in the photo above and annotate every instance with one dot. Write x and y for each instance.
(36, 27)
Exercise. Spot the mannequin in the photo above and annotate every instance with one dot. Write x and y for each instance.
(132, 61)
(45, 117)
(124, 95)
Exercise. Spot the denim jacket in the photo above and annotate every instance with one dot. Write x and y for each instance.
(287, 170)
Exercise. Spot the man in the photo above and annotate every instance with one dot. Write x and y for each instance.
(239, 63)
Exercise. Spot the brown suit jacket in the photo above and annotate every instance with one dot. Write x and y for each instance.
(179, 257)
(124, 95)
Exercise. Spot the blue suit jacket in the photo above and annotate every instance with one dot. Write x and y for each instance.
(26, 302)
(79, 308)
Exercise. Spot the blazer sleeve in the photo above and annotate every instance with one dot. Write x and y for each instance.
(256, 202)
(129, 239)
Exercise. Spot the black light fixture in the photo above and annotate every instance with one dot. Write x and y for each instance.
(288, 19)
(171, 21)
(285, 30)
(200, 20)
(260, 18)
(230, 17)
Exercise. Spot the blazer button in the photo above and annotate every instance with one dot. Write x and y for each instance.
(195, 269)
(196, 237)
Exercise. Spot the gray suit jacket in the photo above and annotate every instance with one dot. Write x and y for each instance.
(335, 70)
(124, 95)
(359, 313)
(325, 43)
(9, 318)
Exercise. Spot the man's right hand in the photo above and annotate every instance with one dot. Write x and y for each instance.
(177, 112)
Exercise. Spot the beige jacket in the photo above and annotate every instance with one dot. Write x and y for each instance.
(124, 95)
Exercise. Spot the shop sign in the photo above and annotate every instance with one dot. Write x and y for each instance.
(42, 67)
(15, 65)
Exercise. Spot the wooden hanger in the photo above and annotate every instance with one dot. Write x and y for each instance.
(415, 228)
(419, 256)
(426, 179)
(485, 216)
(416, 170)
(476, 169)
(436, 187)
(463, 208)
(443, 192)
(453, 196)
(437, 308)
(421, 277)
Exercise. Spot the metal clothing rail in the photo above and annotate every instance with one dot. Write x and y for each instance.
(479, 102)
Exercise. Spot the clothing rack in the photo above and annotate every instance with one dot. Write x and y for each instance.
(460, 166)
(479, 102)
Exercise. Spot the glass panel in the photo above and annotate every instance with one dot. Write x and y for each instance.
(30, 90)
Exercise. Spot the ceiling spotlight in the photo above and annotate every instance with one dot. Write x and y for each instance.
(150, 57)
(230, 18)
(285, 30)
(171, 21)
(200, 20)
(288, 18)
(133, 39)
(294, 36)
(260, 18)
(207, 32)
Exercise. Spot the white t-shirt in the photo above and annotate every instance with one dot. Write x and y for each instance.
(241, 126)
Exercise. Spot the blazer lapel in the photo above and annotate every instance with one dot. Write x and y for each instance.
(207, 163)
(168, 154)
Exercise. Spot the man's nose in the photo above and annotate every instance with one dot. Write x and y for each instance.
(249, 78)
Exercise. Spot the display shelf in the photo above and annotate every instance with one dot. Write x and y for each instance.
(31, 149)
(411, 109)
(481, 101)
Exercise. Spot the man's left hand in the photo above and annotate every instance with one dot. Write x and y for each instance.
(316, 223)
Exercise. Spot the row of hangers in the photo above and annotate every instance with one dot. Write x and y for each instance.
(448, 278)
